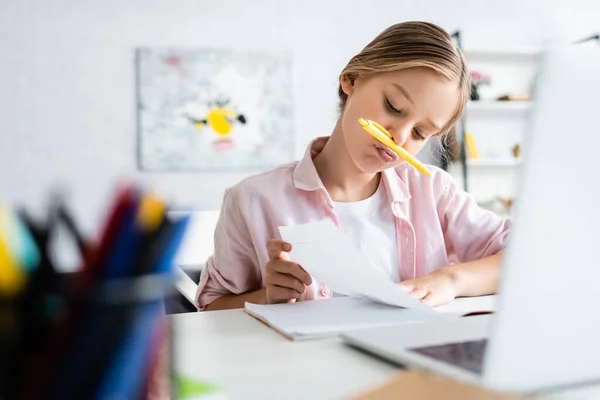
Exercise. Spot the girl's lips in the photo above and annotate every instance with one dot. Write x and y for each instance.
(386, 154)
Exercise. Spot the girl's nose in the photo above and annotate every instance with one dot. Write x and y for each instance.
(400, 133)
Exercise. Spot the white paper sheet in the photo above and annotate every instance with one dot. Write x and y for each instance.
(329, 256)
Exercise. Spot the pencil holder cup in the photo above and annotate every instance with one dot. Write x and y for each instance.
(105, 341)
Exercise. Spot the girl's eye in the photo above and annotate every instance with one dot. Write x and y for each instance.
(390, 107)
(418, 134)
(393, 110)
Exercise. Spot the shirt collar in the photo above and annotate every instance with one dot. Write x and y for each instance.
(305, 174)
(396, 187)
(306, 177)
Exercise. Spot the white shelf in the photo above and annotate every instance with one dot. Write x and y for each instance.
(497, 105)
(516, 54)
(494, 162)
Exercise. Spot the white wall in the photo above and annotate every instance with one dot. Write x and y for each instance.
(67, 95)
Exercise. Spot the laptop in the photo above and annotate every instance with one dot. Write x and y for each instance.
(545, 333)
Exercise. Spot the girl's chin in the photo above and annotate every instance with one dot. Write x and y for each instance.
(375, 167)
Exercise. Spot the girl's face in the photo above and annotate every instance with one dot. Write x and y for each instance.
(412, 104)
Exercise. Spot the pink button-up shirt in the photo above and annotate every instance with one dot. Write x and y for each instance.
(437, 224)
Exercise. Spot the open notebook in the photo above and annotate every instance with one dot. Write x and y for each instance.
(370, 299)
(322, 318)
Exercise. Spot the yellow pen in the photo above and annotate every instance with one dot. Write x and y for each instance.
(381, 134)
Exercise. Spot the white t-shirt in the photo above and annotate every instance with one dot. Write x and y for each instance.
(370, 224)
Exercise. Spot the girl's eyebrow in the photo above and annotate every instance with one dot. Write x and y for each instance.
(405, 93)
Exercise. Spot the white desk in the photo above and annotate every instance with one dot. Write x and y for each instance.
(251, 361)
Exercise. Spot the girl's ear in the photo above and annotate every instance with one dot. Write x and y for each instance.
(347, 81)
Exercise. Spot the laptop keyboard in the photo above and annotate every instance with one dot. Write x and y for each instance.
(465, 355)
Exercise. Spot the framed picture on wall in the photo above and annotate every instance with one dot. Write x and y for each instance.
(209, 109)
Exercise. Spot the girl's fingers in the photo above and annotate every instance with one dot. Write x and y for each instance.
(419, 293)
(406, 286)
(278, 294)
(287, 281)
(430, 300)
(278, 249)
(293, 269)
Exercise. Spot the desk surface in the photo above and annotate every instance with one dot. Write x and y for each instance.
(251, 361)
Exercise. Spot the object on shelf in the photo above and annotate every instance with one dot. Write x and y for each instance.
(471, 147)
(498, 205)
(515, 97)
(498, 105)
(495, 162)
(478, 79)
(516, 150)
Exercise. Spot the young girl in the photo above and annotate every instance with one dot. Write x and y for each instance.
(423, 232)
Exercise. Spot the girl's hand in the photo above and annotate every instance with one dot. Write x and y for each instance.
(285, 280)
(435, 289)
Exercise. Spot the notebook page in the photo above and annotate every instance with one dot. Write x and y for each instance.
(465, 305)
(310, 319)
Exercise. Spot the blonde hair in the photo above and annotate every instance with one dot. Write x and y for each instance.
(409, 45)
